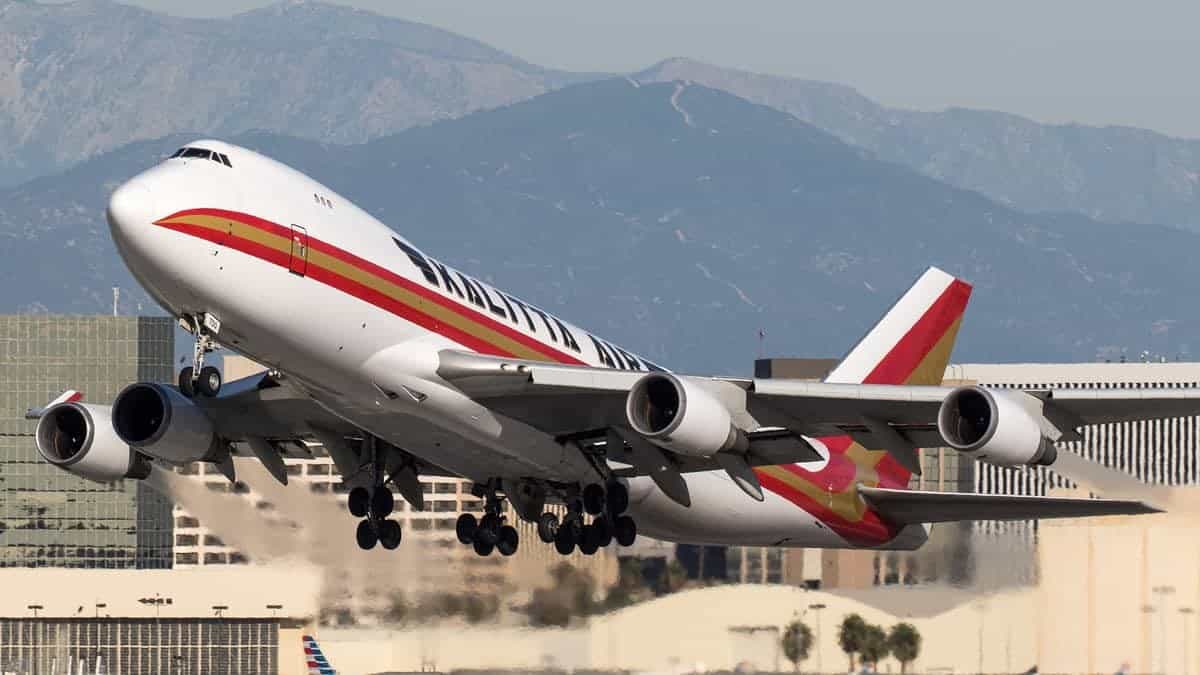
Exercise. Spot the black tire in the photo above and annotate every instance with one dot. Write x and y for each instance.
(604, 531)
(547, 527)
(359, 502)
(366, 536)
(209, 382)
(618, 499)
(593, 498)
(465, 528)
(564, 542)
(390, 534)
(489, 529)
(483, 548)
(509, 541)
(625, 531)
(589, 543)
(186, 386)
(382, 502)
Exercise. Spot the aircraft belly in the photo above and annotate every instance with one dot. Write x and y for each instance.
(722, 514)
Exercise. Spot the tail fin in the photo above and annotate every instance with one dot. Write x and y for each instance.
(911, 344)
(317, 663)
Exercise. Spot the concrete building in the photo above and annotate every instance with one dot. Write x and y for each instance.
(156, 622)
(49, 518)
(1113, 591)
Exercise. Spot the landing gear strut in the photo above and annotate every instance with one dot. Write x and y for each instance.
(491, 532)
(199, 378)
(374, 505)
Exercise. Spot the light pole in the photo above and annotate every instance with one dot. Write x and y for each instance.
(1163, 592)
(218, 609)
(1187, 613)
(35, 609)
(274, 609)
(817, 607)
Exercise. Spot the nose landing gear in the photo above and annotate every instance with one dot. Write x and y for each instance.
(199, 378)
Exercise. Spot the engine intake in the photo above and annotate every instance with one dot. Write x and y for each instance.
(79, 438)
(680, 415)
(163, 423)
(994, 426)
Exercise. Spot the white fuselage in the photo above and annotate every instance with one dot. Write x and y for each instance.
(306, 282)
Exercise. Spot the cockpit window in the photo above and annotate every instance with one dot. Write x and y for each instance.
(201, 153)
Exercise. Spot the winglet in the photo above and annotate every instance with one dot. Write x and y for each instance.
(68, 396)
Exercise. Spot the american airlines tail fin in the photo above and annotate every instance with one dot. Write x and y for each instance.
(911, 344)
(317, 663)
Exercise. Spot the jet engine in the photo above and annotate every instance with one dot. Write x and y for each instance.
(680, 415)
(79, 438)
(995, 427)
(161, 422)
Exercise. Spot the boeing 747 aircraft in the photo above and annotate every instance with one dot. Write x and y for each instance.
(402, 366)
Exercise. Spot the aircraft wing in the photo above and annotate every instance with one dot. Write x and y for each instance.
(573, 401)
(910, 507)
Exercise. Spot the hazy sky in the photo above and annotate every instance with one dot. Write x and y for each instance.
(1092, 61)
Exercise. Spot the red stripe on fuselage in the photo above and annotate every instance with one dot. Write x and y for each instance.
(365, 293)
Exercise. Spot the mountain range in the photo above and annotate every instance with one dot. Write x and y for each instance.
(87, 76)
(84, 77)
(678, 220)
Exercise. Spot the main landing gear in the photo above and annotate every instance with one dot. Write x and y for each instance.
(491, 532)
(606, 504)
(374, 504)
(199, 378)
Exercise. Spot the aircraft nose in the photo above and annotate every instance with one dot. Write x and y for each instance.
(130, 208)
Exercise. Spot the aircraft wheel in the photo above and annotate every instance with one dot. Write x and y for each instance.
(604, 531)
(465, 528)
(482, 547)
(508, 541)
(186, 386)
(625, 531)
(365, 534)
(564, 541)
(390, 534)
(547, 527)
(209, 382)
(382, 502)
(359, 502)
(618, 498)
(593, 498)
(589, 543)
(489, 529)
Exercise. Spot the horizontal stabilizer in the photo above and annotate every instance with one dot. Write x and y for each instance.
(908, 507)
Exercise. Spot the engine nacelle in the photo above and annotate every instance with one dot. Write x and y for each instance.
(159, 421)
(995, 427)
(79, 438)
(680, 415)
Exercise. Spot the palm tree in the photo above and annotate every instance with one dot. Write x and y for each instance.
(850, 636)
(874, 647)
(905, 643)
(797, 642)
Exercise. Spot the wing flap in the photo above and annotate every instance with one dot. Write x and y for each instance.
(909, 507)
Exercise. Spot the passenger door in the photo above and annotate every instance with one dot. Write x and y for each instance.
(298, 260)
